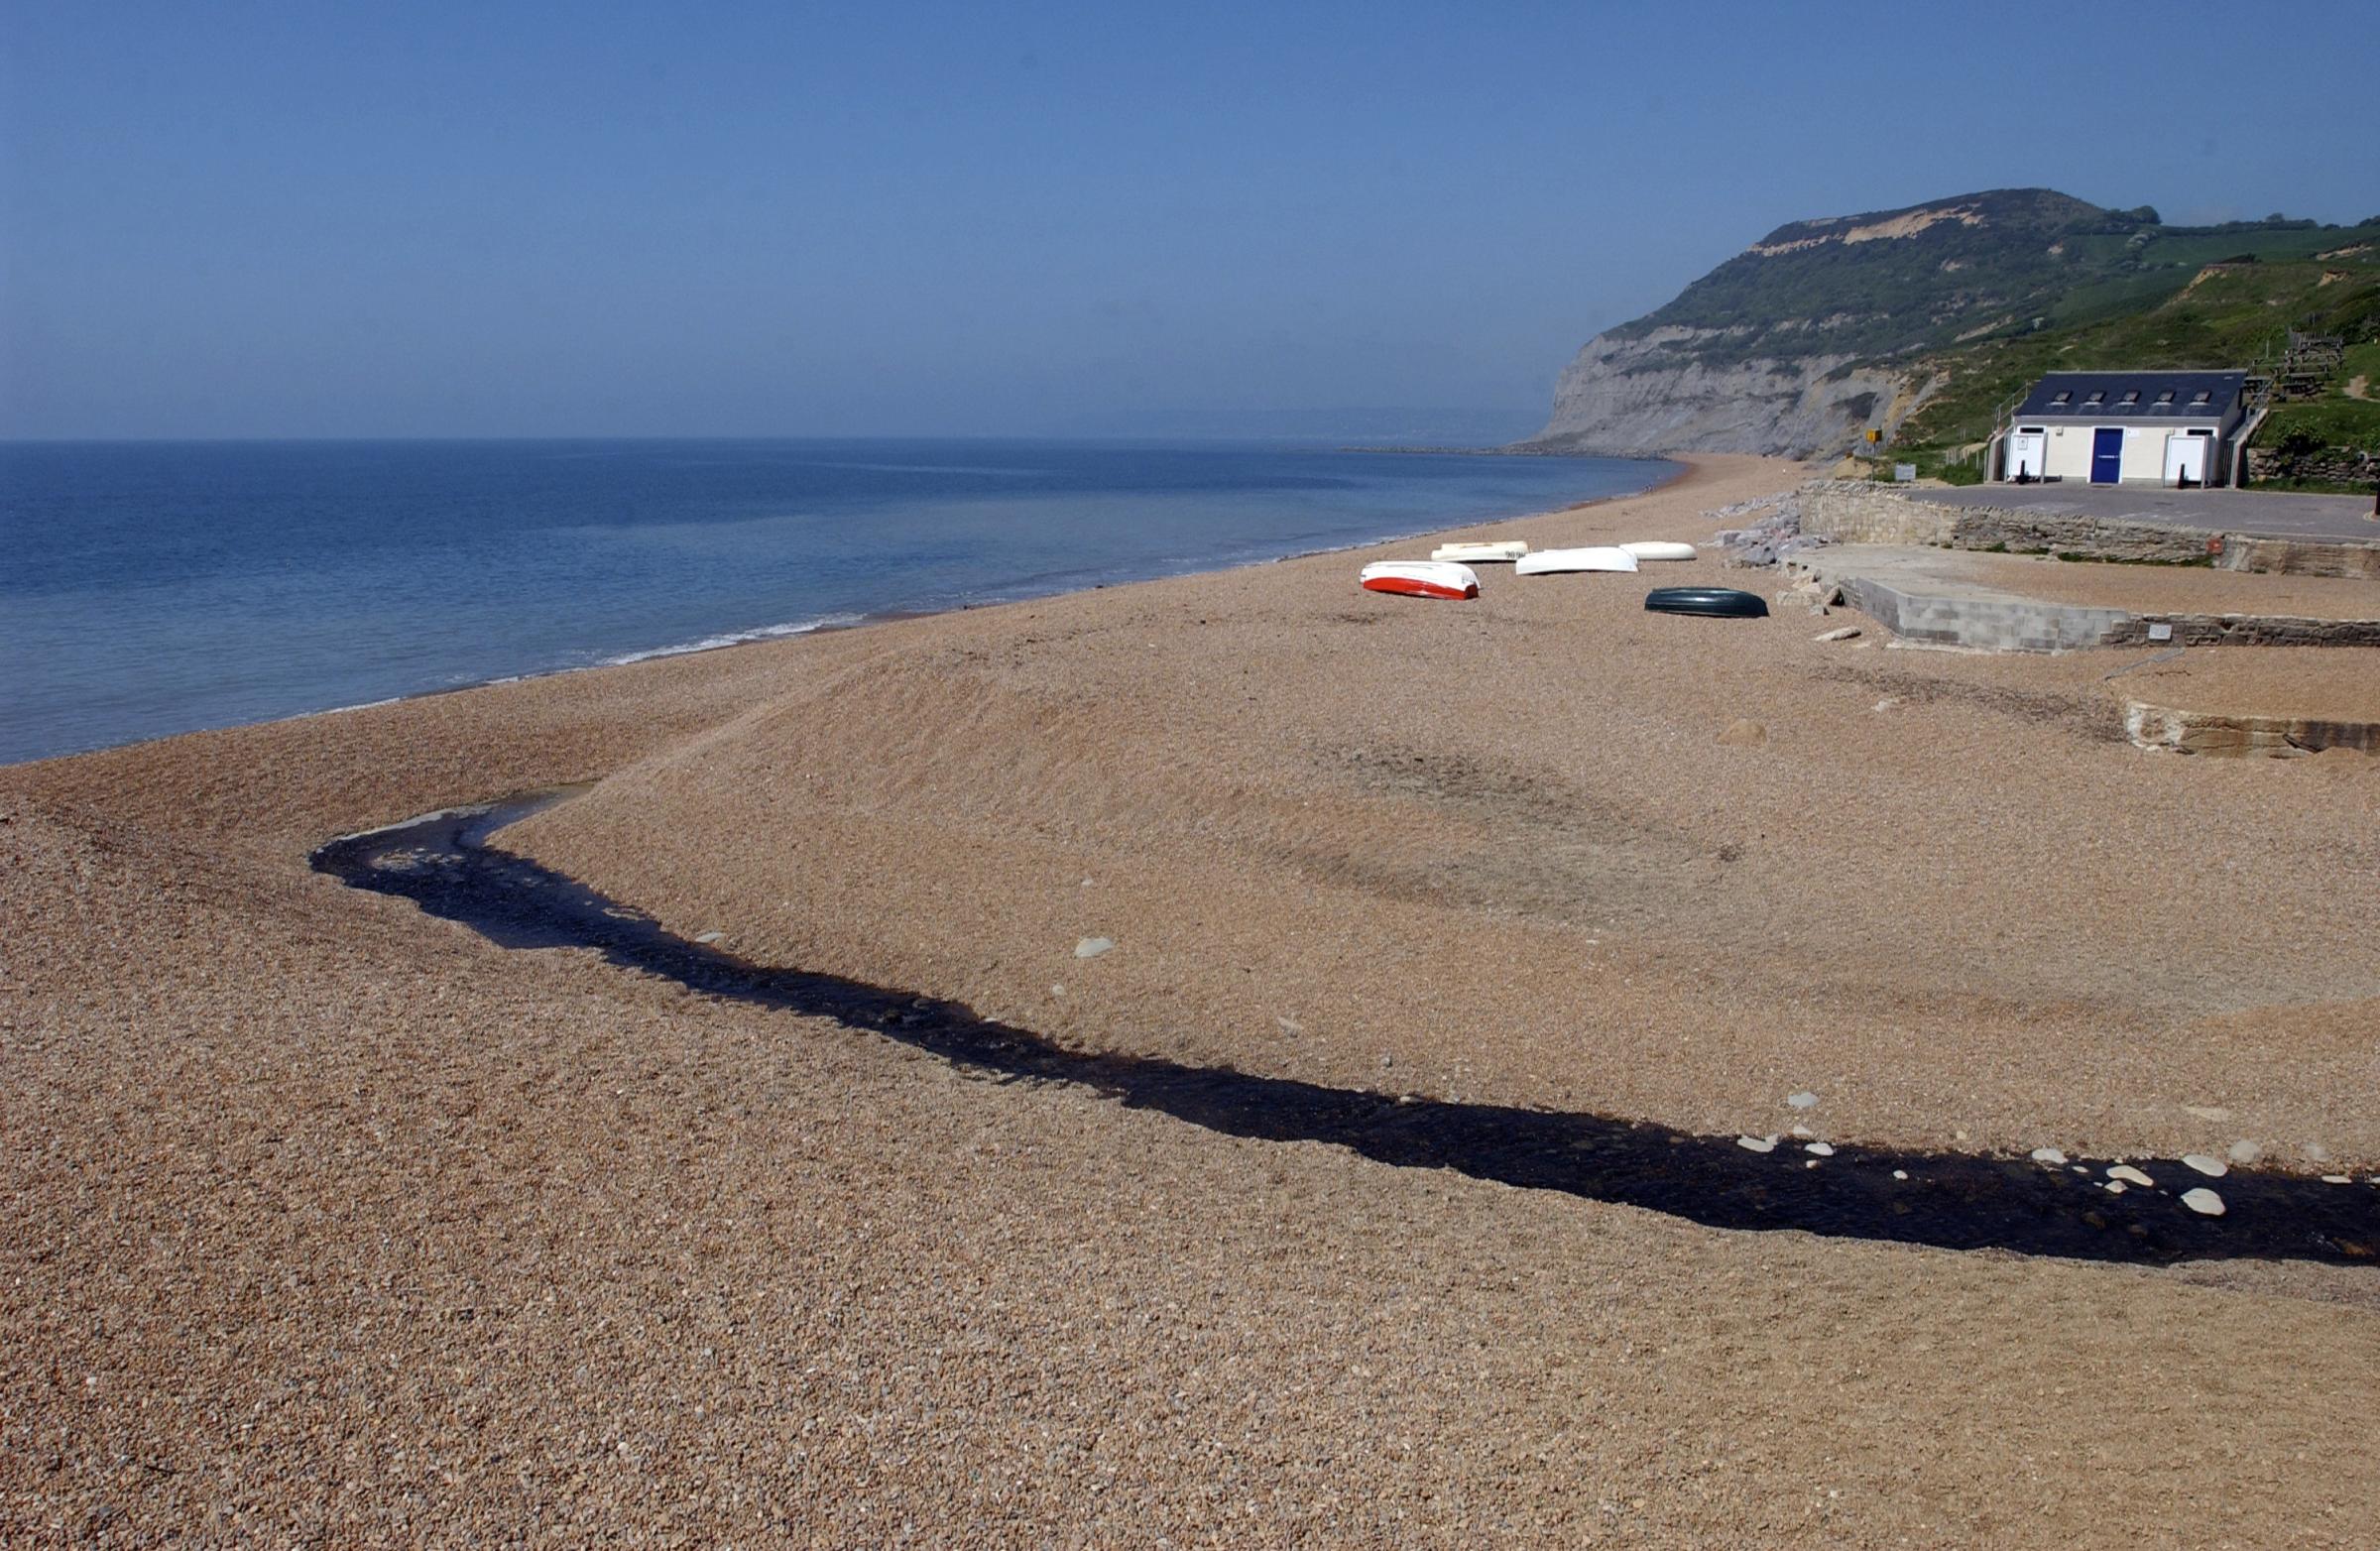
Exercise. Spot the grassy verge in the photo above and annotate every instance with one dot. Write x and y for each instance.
(2225, 317)
(2299, 428)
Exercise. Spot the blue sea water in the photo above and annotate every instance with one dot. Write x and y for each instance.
(156, 588)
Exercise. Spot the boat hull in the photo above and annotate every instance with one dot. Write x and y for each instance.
(1501, 551)
(1707, 602)
(1420, 579)
(1597, 557)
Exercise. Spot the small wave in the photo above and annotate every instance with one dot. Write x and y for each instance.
(360, 706)
(731, 638)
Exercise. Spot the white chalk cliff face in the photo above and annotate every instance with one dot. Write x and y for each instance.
(1630, 397)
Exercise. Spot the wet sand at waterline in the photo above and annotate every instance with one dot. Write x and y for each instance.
(331, 1218)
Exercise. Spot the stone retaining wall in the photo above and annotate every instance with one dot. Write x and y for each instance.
(1854, 511)
(1858, 510)
(2348, 466)
(2244, 630)
(2298, 557)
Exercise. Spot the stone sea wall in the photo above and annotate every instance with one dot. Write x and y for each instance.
(1858, 510)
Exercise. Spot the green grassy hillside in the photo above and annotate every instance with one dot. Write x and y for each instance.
(2002, 264)
(2230, 316)
(1889, 282)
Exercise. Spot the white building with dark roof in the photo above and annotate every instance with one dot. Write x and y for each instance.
(2126, 428)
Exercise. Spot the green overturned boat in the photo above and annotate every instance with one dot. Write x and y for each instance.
(1726, 603)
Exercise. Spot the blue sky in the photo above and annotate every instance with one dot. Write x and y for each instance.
(724, 218)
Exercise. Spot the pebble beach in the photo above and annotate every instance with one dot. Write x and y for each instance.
(331, 1220)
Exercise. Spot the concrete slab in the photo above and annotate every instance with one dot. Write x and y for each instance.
(1972, 601)
(2273, 514)
(1911, 593)
(2163, 589)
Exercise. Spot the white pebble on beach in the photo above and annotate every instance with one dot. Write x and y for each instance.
(2202, 1201)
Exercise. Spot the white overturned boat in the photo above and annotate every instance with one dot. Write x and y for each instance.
(1496, 552)
(1420, 579)
(1659, 549)
(1595, 558)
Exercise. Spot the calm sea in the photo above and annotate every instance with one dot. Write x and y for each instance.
(154, 588)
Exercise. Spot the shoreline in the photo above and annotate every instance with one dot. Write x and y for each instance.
(767, 634)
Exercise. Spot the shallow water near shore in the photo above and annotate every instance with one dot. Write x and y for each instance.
(444, 863)
(157, 588)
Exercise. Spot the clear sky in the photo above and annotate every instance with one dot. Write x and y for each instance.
(489, 218)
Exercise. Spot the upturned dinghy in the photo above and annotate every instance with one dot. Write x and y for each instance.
(1659, 549)
(1498, 551)
(1711, 602)
(1420, 579)
(1598, 558)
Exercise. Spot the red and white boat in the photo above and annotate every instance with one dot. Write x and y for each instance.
(1421, 578)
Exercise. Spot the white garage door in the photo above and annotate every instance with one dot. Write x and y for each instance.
(2186, 459)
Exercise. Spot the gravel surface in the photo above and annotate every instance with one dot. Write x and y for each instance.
(328, 1221)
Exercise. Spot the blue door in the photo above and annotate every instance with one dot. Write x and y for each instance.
(2106, 456)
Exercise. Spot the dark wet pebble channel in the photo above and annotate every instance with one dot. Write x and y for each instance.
(1947, 1200)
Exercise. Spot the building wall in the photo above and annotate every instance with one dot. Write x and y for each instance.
(2144, 452)
(2067, 451)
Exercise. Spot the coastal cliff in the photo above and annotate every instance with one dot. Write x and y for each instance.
(1626, 397)
(1811, 336)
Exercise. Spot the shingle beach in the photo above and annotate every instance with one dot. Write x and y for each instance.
(330, 1222)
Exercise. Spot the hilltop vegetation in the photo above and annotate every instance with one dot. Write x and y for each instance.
(1888, 281)
(2002, 264)
(1918, 322)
